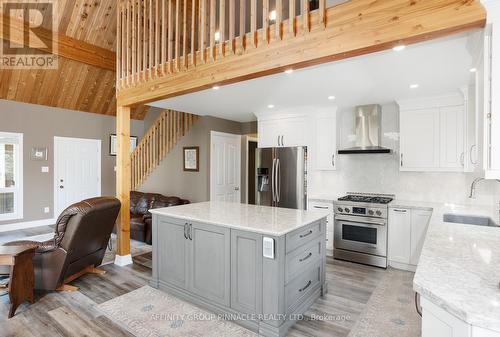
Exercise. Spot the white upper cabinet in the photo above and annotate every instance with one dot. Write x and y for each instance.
(283, 132)
(326, 141)
(419, 152)
(451, 140)
(432, 134)
(315, 128)
(490, 90)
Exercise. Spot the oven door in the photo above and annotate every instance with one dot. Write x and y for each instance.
(364, 235)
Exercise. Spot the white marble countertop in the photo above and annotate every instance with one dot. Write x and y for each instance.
(266, 220)
(459, 268)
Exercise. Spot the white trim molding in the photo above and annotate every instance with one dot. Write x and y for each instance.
(26, 225)
(123, 260)
(17, 140)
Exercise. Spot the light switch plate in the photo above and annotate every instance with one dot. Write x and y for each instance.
(45, 169)
(268, 247)
(46, 209)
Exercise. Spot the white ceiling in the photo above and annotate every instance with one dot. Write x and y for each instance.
(439, 66)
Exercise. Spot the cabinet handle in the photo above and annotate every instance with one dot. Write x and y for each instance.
(401, 159)
(190, 232)
(462, 159)
(322, 207)
(185, 231)
(307, 234)
(333, 160)
(305, 258)
(400, 210)
(470, 155)
(282, 143)
(278, 140)
(306, 286)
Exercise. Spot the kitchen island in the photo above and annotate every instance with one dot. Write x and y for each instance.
(261, 266)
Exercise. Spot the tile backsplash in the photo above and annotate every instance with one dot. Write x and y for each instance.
(379, 173)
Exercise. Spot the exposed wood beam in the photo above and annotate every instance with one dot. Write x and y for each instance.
(123, 172)
(68, 47)
(354, 28)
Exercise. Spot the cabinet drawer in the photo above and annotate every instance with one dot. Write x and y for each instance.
(302, 236)
(301, 258)
(302, 286)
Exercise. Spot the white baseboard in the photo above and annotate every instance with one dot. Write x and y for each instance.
(123, 260)
(27, 224)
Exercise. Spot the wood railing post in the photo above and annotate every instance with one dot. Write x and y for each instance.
(123, 181)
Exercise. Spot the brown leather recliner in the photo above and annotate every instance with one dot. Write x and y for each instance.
(80, 239)
(140, 218)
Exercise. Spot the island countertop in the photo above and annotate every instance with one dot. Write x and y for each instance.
(274, 221)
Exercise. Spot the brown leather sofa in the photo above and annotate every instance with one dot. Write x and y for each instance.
(140, 218)
(80, 239)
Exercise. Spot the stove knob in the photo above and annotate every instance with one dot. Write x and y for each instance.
(370, 212)
(379, 213)
(347, 210)
(340, 209)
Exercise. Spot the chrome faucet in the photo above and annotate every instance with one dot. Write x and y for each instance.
(473, 186)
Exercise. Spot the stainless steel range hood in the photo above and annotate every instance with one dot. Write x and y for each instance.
(368, 131)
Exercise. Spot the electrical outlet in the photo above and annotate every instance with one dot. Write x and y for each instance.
(46, 209)
(45, 169)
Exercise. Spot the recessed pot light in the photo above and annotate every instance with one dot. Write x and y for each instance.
(414, 86)
(216, 87)
(331, 98)
(270, 106)
(399, 47)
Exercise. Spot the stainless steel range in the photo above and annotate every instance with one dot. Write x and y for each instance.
(360, 230)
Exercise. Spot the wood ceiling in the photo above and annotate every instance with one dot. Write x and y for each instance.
(75, 84)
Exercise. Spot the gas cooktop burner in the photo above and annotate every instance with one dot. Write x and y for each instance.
(366, 198)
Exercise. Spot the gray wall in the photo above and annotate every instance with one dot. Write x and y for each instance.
(39, 124)
(169, 177)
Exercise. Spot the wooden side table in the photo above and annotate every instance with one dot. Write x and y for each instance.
(22, 276)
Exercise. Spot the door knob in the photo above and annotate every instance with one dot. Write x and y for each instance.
(236, 188)
(61, 186)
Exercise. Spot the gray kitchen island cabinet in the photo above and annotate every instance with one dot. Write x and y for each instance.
(261, 266)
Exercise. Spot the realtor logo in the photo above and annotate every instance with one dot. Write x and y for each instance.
(29, 38)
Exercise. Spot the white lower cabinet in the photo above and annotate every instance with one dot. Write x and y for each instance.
(437, 322)
(329, 222)
(407, 229)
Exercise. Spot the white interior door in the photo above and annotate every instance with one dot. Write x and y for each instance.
(77, 171)
(225, 167)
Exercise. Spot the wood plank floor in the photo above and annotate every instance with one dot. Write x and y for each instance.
(75, 314)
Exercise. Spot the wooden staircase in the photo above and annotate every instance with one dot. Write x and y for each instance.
(161, 137)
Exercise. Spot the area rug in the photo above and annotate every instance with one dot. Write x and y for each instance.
(390, 311)
(148, 312)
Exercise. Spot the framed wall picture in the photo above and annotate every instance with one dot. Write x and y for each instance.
(38, 153)
(113, 143)
(191, 155)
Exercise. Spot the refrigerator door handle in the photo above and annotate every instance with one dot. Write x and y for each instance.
(278, 180)
(273, 181)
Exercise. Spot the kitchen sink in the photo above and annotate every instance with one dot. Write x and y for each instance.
(469, 219)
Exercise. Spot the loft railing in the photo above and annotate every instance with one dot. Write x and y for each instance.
(162, 37)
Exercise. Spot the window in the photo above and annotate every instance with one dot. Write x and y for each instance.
(11, 176)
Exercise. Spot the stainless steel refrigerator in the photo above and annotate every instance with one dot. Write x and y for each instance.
(281, 177)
